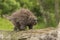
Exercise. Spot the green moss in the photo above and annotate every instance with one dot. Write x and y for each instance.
(5, 24)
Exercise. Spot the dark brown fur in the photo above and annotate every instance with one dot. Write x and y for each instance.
(23, 18)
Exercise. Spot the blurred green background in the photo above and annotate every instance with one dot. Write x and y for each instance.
(10, 6)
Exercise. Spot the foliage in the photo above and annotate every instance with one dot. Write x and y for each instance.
(8, 6)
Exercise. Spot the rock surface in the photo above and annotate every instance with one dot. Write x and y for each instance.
(41, 34)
